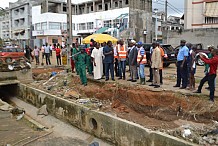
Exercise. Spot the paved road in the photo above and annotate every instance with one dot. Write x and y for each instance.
(57, 134)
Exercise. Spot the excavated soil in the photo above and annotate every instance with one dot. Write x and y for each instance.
(148, 108)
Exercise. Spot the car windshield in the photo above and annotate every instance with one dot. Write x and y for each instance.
(11, 50)
(168, 48)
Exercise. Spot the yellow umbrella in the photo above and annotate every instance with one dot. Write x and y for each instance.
(100, 38)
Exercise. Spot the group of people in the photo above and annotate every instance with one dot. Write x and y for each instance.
(186, 68)
(110, 61)
(46, 53)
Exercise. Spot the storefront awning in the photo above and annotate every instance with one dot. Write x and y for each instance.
(211, 9)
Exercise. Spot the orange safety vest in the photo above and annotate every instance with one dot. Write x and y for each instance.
(122, 51)
(144, 60)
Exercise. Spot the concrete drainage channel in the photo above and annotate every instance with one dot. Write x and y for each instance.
(104, 126)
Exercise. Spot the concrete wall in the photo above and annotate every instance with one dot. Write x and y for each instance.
(204, 36)
(118, 131)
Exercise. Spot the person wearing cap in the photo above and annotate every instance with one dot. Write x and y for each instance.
(121, 53)
(156, 63)
(82, 60)
(141, 59)
(133, 53)
(182, 69)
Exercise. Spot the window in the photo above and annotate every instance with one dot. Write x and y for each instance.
(54, 25)
(107, 23)
(22, 21)
(90, 25)
(106, 7)
(73, 26)
(16, 12)
(44, 25)
(127, 2)
(159, 28)
(91, 8)
(100, 7)
(82, 26)
(211, 20)
(54, 41)
(38, 27)
(64, 8)
(120, 4)
(64, 26)
(22, 10)
(116, 4)
(16, 22)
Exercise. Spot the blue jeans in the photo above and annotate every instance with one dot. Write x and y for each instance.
(122, 69)
(109, 66)
(142, 71)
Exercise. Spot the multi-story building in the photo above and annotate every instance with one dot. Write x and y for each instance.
(125, 19)
(21, 21)
(5, 26)
(201, 14)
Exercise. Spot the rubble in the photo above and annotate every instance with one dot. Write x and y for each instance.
(15, 65)
(43, 110)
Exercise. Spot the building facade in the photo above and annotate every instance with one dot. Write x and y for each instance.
(127, 19)
(201, 14)
(21, 21)
(5, 26)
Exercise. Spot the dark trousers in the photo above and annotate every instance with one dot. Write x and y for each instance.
(122, 69)
(151, 74)
(109, 67)
(211, 79)
(182, 74)
(161, 76)
(116, 67)
(205, 79)
(58, 59)
(47, 57)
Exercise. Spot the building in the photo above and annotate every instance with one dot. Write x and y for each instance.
(201, 14)
(21, 22)
(5, 26)
(127, 19)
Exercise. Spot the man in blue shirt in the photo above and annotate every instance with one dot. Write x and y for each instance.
(182, 69)
(108, 52)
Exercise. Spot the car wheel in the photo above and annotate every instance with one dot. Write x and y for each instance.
(199, 61)
(166, 64)
(8, 60)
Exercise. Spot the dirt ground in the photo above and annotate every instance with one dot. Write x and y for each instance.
(160, 110)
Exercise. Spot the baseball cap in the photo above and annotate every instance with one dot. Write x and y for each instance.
(139, 43)
(133, 41)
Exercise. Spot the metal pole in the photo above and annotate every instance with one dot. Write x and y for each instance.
(166, 5)
(69, 28)
(156, 27)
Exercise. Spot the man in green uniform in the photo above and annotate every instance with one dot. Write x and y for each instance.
(81, 60)
(74, 51)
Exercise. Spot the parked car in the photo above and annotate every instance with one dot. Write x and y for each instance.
(169, 51)
(199, 49)
(8, 54)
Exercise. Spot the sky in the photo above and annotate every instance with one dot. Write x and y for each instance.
(175, 7)
(159, 4)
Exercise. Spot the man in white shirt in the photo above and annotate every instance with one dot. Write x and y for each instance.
(47, 54)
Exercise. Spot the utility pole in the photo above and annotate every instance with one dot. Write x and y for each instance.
(69, 29)
(166, 30)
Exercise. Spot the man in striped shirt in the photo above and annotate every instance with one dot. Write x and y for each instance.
(141, 59)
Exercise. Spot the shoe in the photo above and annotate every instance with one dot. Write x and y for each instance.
(134, 80)
(157, 86)
(85, 84)
(129, 80)
(143, 81)
(152, 85)
(197, 91)
(208, 88)
(182, 88)
(140, 81)
(106, 79)
(113, 79)
(119, 78)
(149, 81)
(176, 86)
